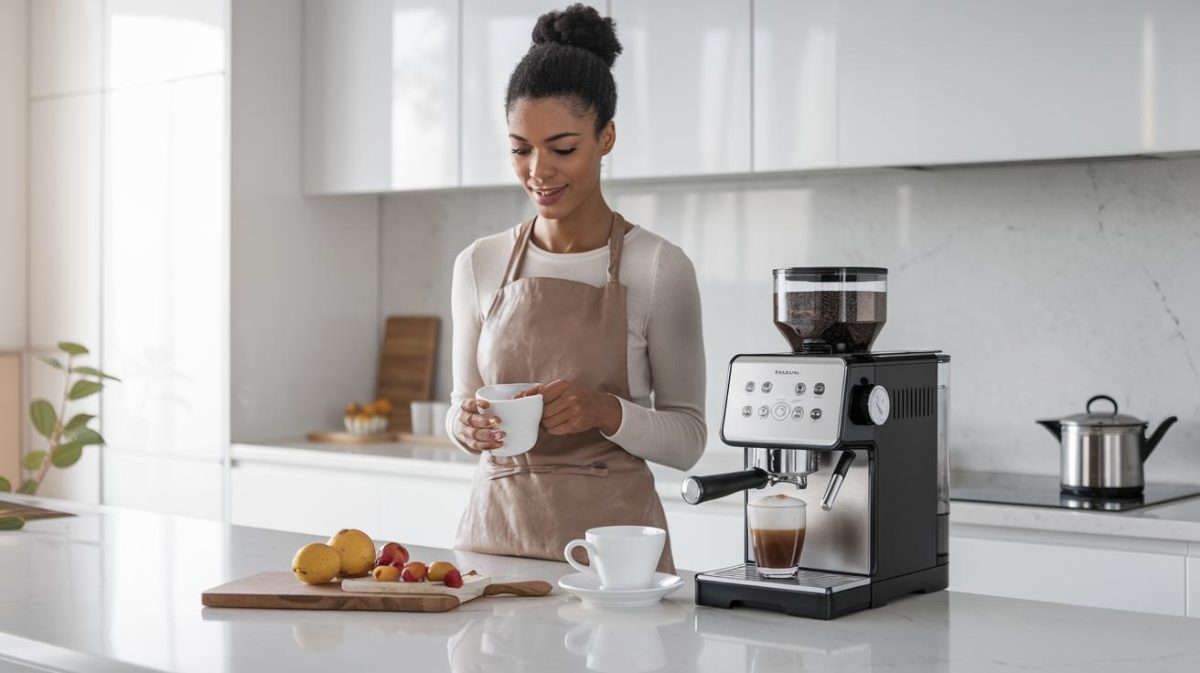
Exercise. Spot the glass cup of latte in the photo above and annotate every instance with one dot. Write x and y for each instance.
(777, 525)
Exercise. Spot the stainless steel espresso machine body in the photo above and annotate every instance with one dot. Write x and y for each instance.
(864, 435)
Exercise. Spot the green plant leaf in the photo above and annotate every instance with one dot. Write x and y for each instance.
(33, 460)
(28, 487)
(44, 419)
(11, 523)
(66, 455)
(78, 421)
(92, 371)
(72, 348)
(82, 389)
(5, 485)
(85, 437)
(53, 362)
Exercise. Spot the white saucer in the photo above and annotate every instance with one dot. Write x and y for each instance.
(587, 587)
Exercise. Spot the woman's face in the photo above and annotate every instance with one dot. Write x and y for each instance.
(556, 153)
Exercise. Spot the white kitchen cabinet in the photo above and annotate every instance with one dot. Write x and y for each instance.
(64, 260)
(406, 508)
(795, 84)
(495, 36)
(1107, 572)
(65, 47)
(683, 85)
(319, 502)
(940, 81)
(380, 95)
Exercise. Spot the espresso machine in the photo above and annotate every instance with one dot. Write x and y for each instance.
(867, 429)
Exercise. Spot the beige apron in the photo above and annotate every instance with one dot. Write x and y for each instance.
(539, 330)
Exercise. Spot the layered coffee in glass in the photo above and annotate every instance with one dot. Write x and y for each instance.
(777, 527)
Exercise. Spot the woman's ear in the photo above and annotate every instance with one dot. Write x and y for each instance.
(608, 137)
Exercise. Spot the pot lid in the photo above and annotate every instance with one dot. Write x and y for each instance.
(1103, 418)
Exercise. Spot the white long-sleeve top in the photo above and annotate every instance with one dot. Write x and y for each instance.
(664, 420)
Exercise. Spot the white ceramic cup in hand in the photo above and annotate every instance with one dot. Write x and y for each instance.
(624, 557)
(519, 419)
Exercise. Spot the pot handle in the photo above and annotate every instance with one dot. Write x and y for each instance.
(1102, 397)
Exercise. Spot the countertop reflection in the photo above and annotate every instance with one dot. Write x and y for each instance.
(118, 590)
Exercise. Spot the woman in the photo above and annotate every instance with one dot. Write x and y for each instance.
(601, 311)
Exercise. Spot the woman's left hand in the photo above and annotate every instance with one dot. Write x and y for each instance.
(568, 408)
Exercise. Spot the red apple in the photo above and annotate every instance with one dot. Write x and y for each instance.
(392, 554)
(453, 579)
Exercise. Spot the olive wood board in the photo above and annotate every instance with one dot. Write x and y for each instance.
(278, 590)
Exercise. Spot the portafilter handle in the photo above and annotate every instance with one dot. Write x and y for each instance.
(702, 489)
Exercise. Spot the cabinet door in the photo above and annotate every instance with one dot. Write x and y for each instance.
(683, 85)
(795, 84)
(318, 502)
(1143, 578)
(939, 81)
(64, 262)
(380, 95)
(495, 36)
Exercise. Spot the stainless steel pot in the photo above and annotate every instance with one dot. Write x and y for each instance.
(1103, 453)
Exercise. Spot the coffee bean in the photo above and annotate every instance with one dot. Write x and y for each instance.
(847, 321)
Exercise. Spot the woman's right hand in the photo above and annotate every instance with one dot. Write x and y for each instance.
(476, 431)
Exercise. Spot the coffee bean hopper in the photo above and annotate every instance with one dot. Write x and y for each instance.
(867, 428)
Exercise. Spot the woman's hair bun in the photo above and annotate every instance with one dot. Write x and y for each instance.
(579, 26)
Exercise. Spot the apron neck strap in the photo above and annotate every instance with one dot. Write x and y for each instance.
(616, 242)
(518, 253)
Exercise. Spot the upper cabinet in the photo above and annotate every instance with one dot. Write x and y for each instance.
(380, 95)
(795, 84)
(941, 81)
(495, 36)
(407, 94)
(683, 88)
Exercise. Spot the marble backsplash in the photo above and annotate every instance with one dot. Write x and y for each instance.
(1046, 283)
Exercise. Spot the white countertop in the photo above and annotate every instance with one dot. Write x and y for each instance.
(118, 590)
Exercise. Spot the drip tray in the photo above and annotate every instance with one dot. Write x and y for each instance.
(1039, 490)
(805, 581)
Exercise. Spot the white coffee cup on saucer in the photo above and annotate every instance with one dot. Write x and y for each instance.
(519, 419)
(623, 557)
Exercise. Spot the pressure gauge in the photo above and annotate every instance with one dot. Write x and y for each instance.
(879, 405)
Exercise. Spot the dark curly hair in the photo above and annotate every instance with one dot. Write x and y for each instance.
(572, 56)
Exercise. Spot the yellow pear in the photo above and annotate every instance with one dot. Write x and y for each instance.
(357, 551)
(316, 563)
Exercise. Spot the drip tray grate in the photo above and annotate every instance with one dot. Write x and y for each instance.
(805, 581)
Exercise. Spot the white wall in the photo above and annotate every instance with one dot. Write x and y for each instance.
(1047, 284)
(14, 126)
(304, 274)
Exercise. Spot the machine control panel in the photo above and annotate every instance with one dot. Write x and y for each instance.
(784, 400)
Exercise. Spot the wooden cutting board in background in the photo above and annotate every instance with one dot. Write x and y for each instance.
(406, 365)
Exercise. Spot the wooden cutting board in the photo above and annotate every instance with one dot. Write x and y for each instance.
(406, 366)
(281, 591)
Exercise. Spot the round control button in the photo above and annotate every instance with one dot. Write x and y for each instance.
(800, 388)
(763, 411)
(780, 411)
(767, 387)
(798, 413)
(749, 386)
(819, 389)
(746, 411)
(816, 414)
